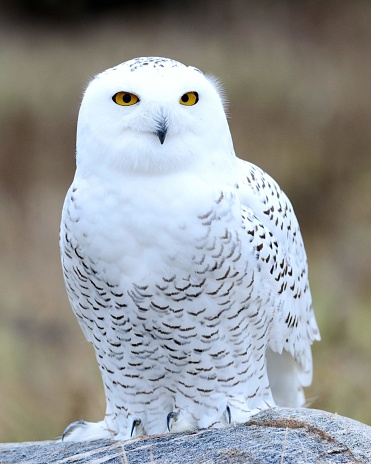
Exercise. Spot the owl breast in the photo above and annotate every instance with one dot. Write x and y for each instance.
(185, 311)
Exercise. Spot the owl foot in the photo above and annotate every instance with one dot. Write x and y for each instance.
(82, 430)
(70, 428)
(171, 417)
(181, 421)
(136, 423)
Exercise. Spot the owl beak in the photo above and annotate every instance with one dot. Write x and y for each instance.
(161, 134)
(162, 130)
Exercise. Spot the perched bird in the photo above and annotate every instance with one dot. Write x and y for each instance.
(184, 265)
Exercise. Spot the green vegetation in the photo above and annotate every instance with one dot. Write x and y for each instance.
(297, 79)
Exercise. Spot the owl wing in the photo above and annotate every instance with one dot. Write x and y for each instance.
(82, 282)
(274, 233)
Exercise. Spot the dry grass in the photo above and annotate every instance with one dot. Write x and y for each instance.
(297, 81)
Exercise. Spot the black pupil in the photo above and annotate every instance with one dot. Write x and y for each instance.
(126, 98)
(185, 98)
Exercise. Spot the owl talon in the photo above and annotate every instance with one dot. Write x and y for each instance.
(136, 423)
(70, 428)
(229, 415)
(171, 416)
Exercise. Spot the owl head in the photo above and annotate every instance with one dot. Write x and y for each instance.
(152, 115)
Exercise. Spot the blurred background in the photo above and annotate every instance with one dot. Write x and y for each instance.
(297, 75)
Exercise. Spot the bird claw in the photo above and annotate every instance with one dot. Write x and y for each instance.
(229, 415)
(136, 423)
(171, 416)
(70, 428)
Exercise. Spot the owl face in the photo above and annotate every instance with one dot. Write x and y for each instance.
(151, 115)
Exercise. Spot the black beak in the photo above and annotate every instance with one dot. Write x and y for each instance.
(161, 130)
(161, 134)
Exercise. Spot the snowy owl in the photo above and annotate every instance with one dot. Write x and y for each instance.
(184, 265)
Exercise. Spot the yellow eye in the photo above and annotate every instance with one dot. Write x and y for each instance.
(189, 99)
(125, 98)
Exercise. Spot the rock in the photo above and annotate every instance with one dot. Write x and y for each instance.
(275, 436)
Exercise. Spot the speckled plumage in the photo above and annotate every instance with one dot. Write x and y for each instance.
(184, 265)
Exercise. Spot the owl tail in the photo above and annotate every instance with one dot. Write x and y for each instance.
(285, 379)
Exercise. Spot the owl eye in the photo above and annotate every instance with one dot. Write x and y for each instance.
(189, 99)
(125, 98)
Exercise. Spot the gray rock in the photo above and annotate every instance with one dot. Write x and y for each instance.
(276, 436)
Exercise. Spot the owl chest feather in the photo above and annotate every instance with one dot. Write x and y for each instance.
(158, 229)
(169, 272)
